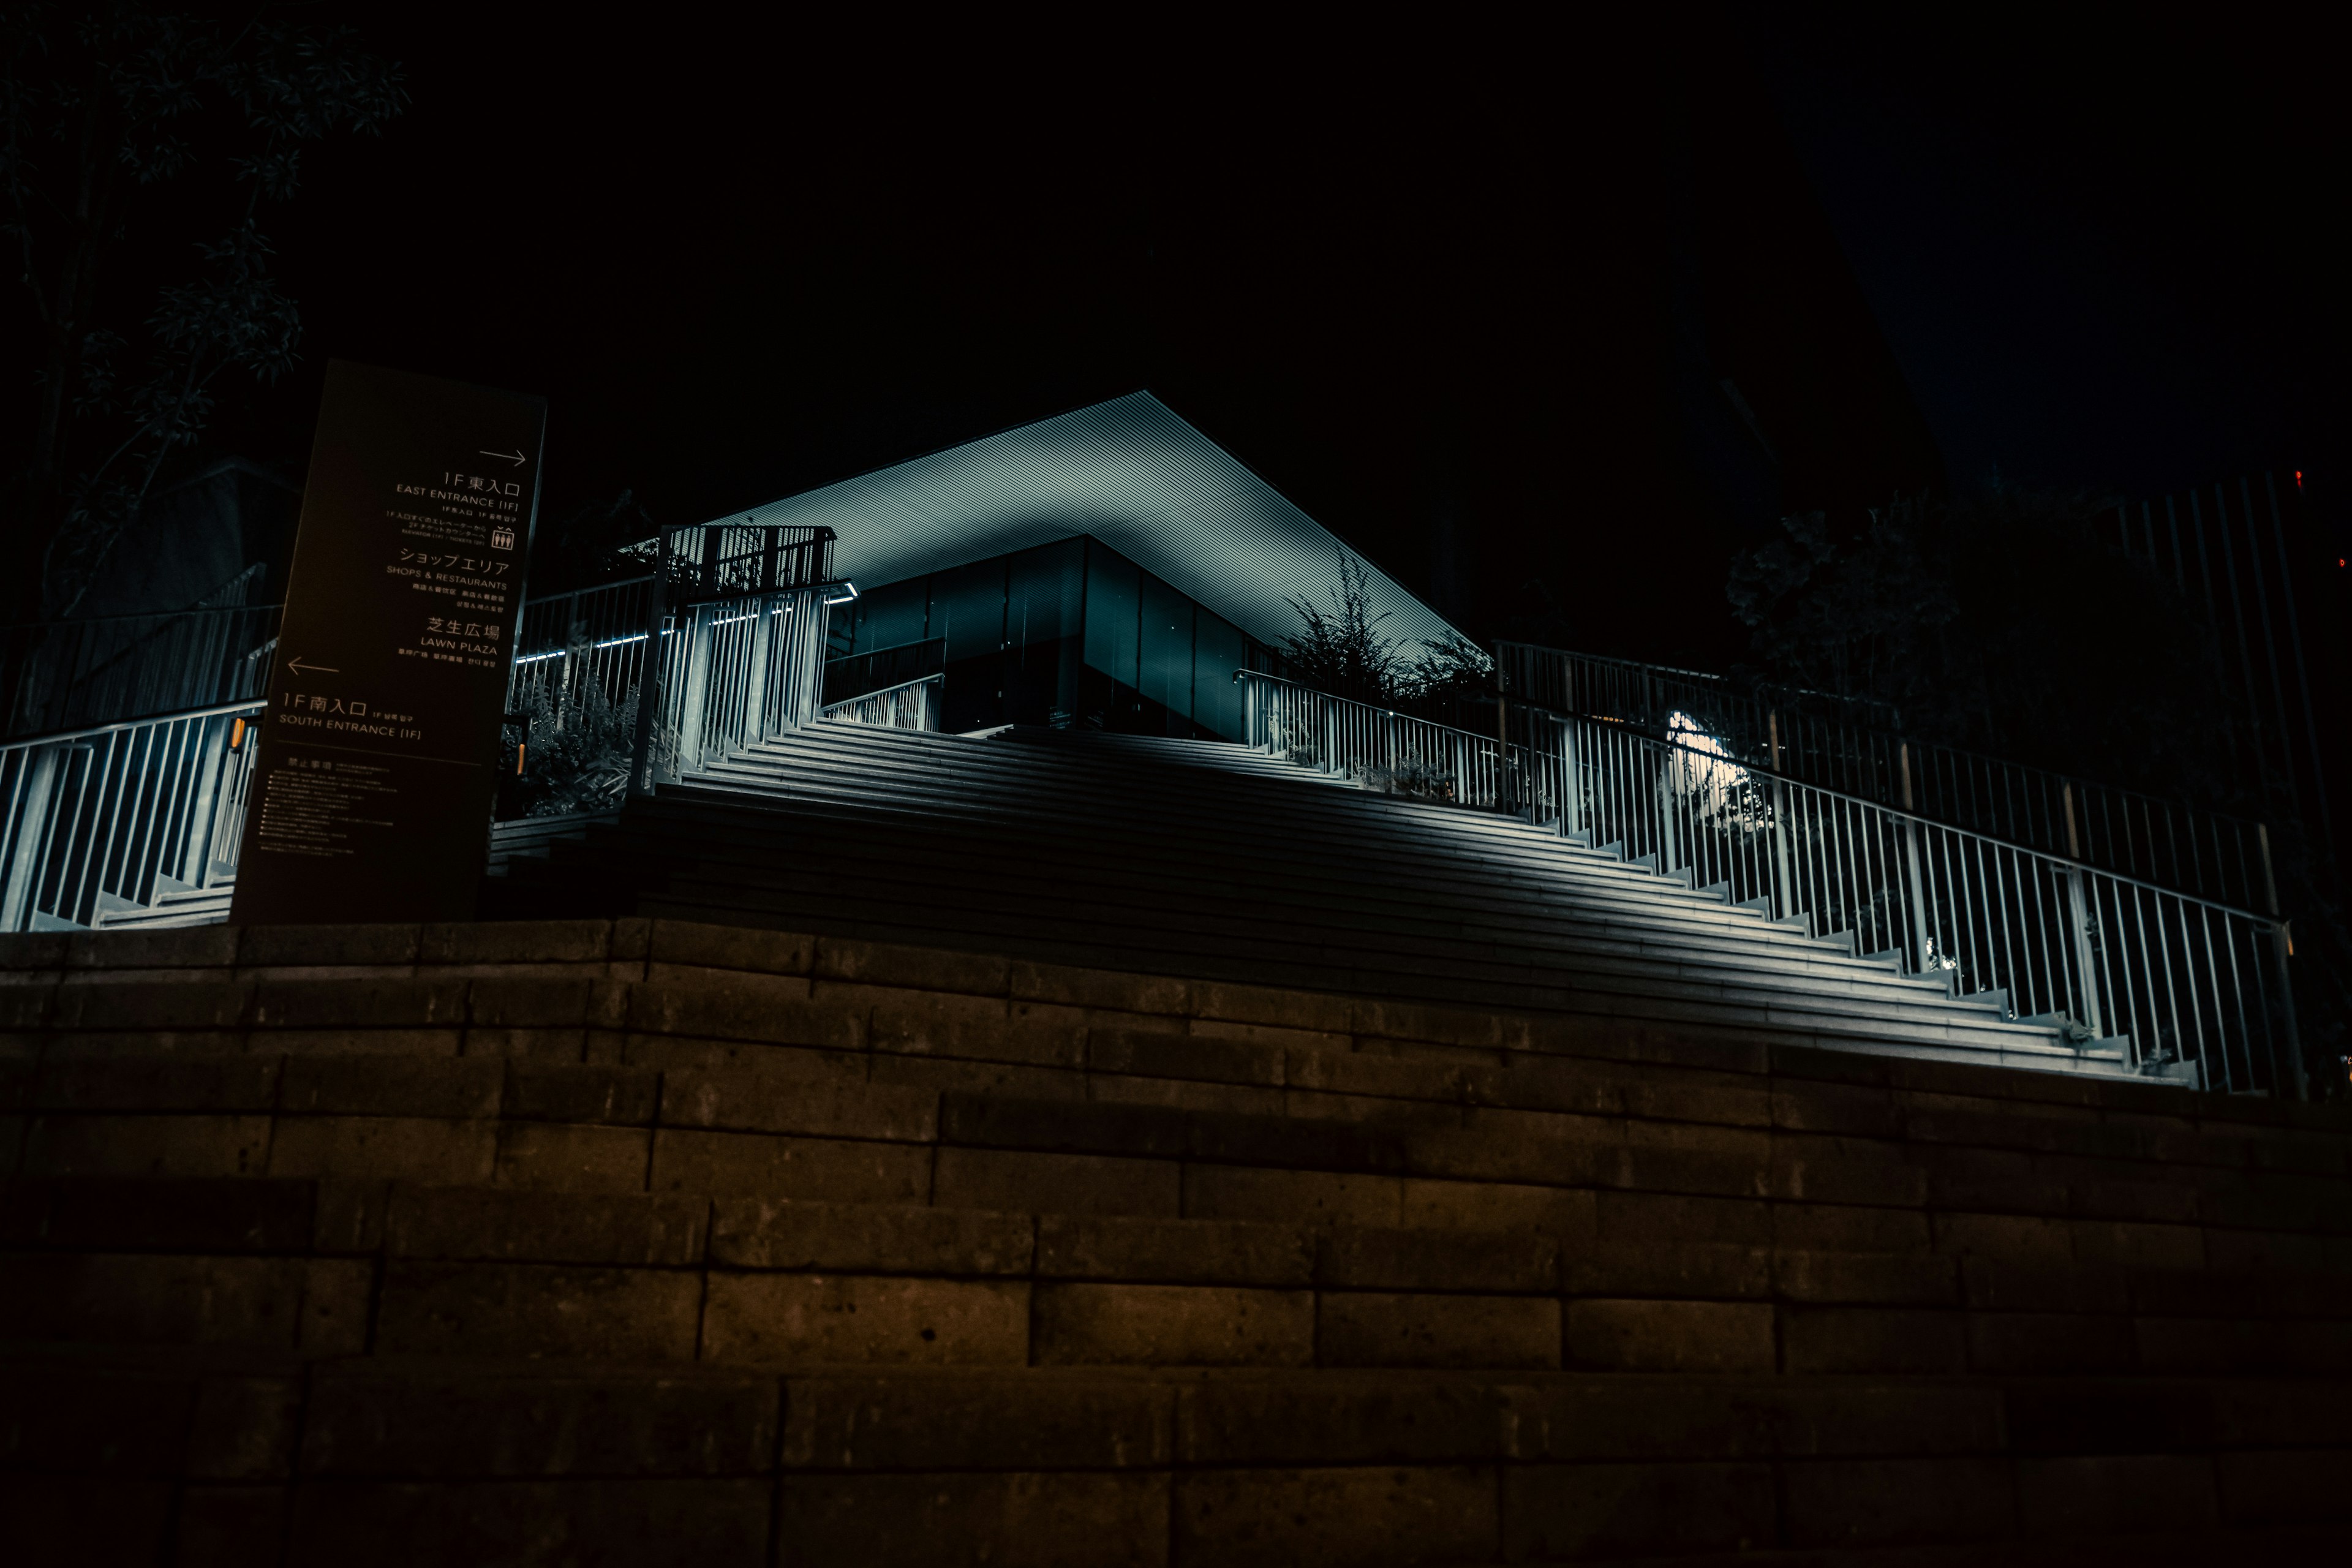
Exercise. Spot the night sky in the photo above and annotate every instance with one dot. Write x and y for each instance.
(1425, 283)
(2106, 257)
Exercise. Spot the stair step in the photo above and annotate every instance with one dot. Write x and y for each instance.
(932, 786)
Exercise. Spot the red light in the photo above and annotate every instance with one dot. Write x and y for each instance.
(2298, 478)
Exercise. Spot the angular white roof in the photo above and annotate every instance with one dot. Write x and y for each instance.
(1129, 472)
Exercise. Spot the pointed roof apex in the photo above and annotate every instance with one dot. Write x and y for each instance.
(1130, 472)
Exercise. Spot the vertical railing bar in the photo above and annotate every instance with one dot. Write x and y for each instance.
(2188, 973)
(2163, 957)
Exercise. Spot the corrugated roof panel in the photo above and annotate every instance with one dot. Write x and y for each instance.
(1131, 473)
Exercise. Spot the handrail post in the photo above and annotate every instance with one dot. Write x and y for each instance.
(1502, 737)
(573, 636)
(212, 766)
(2079, 916)
(1784, 898)
(755, 677)
(814, 615)
(1572, 786)
(695, 682)
(1917, 891)
(2282, 946)
(651, 674)
(32, 814)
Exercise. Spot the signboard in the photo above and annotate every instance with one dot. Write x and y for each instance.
(370, 795)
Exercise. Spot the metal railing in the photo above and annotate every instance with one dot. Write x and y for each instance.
(1373, 745)
(105, 815)
(855, 674)
(568, 643)
(60, 676)
(728, 561)
(108, 817)
(909, 705)
(735, 634)
(1857, 747)
(2173, 977)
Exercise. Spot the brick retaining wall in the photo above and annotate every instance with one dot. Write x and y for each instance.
(473, 1242)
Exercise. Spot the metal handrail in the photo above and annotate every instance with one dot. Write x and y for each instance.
(2182, 848)
(572, 645)
(1881, 714)
(56, 675)
(1915, 818)
(909, 705)
(727, 559)
(2170, 977)
(105, 815)
(729, 670)
(892, 666)
(106, 818)
(246, 705)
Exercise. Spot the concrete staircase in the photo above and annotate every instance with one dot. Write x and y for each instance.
(1208, 861)
(173, 908)
(642, 1240)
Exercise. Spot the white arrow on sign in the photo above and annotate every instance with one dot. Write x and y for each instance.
(296, 664)
(515, 456)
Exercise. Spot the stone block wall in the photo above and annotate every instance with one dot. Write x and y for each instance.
(632, 1240)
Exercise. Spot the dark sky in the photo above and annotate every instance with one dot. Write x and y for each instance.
(742, 260)
(2105, 255)
(1403, 276)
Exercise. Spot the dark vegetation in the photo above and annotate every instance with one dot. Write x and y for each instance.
(141, 152)
(575, 760)
(1340, 649)
(2004, 621)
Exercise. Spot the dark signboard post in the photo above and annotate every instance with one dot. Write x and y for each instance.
(371, 793)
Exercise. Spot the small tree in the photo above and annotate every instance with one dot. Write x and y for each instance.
(1449, 670)
(579, 761)
(1343, 652)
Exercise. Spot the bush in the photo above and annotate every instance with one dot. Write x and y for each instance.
(1342, 653)
(577, 760)
(1414, 781)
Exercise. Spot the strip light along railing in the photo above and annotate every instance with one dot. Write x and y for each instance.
(909, 705)
(568, 645)
(1856, 748)
(107, 818)
(2173, 977)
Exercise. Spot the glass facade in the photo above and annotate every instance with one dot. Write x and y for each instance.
(1072, 635)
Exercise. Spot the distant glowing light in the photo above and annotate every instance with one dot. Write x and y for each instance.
(1705, 768)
